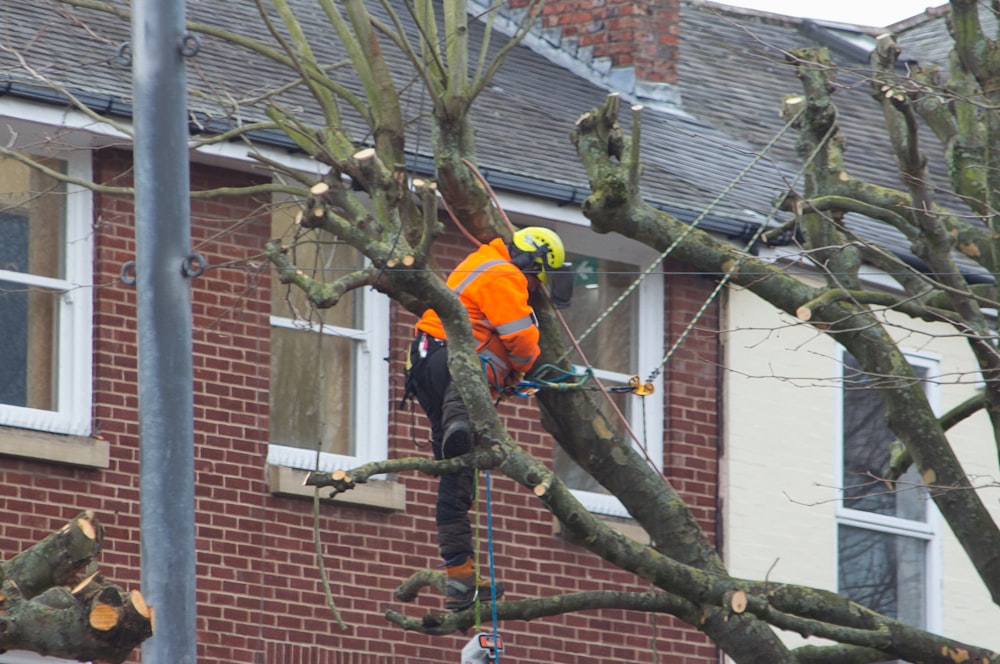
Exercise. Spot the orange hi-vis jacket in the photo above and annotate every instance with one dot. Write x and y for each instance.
(495, 293)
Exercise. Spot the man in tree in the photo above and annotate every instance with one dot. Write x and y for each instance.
(493, 283)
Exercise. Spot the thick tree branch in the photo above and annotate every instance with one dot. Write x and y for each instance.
(900, 459)
(530, 609)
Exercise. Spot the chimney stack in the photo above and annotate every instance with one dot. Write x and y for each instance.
(632, 44)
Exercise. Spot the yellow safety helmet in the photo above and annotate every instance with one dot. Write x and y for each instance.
(534, 240)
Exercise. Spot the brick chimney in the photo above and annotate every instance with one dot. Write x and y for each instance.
(632, 43)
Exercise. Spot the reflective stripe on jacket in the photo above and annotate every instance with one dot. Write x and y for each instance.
(495, 293)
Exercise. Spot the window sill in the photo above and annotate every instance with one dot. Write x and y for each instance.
(56, 448)
(377, 494)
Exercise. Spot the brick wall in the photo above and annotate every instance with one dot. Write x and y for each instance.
(691, 379)
(632, 33)
(260, 599)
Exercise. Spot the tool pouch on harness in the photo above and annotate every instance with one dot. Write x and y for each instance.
(422, 347)
(561, 285)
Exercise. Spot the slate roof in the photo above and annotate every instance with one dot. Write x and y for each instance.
(733, 75)
(731, 80)
(522, 120)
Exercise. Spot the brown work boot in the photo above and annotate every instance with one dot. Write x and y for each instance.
(462, 587)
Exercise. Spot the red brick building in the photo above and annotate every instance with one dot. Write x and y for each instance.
(69, 436)
(259, 593)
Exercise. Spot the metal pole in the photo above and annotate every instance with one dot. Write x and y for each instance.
(166, 398)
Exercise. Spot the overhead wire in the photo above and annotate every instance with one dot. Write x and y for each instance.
(687, 231)
(734, 266)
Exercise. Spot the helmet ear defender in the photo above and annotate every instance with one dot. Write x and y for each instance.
(528, 261)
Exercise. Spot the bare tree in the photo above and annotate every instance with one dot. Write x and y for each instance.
(959, 109)
(366, 199)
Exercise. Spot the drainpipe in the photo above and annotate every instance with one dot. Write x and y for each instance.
(162, 268)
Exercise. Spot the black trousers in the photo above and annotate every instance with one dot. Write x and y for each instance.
(430, 382)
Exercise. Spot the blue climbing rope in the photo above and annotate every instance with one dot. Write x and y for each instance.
(489, 554)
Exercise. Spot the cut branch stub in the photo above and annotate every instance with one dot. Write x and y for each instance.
(338, 479)
(86, 525)
(791, 106)
(83, 584)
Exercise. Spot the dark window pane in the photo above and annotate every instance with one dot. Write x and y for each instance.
(14, 332)
(883, 572)
(866, 452)
(27, 195)
(32, 244)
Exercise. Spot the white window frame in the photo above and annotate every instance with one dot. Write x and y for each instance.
(928, 530)
(25, 657)
(649, 334)
(370, 401)
(74, 392)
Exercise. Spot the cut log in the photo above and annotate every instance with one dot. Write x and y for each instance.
(47, 608)
(139, 604)
(103, 617)
(738, 602)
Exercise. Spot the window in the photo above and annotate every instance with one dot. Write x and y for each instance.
(45, 298)
(329, 376)
(886, 538)
(628, 342)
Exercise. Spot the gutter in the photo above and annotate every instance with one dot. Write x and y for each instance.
(102, 103)
(561, 194)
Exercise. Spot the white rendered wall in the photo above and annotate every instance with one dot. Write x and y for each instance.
(782, 432)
